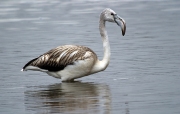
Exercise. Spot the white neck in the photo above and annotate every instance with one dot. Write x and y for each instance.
(102, 65)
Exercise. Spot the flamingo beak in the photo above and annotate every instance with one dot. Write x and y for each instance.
(120, 22)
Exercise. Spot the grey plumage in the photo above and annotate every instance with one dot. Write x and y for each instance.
(58, 58)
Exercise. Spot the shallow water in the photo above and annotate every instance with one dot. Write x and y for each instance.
(143, 75)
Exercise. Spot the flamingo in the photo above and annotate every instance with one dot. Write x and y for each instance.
(69, 62)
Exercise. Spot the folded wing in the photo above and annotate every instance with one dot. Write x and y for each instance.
(58, 58)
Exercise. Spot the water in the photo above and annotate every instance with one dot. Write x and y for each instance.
(143, 75)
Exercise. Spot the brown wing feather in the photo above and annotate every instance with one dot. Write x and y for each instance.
(58, 58)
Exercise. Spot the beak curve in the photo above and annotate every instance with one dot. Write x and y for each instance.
(120, 22)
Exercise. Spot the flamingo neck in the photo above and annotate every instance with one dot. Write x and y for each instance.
(102, 65)
(106, 58)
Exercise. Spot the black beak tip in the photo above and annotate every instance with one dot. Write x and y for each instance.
(123, 33)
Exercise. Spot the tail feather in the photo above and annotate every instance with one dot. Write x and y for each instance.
(28, 63)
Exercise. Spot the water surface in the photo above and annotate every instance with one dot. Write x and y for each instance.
(143, 75)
